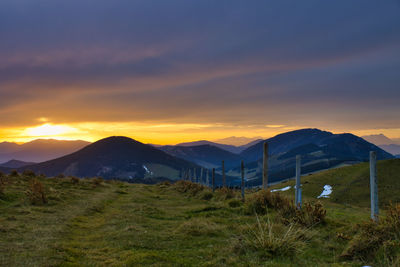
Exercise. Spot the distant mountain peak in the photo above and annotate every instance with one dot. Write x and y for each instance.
(378, 139)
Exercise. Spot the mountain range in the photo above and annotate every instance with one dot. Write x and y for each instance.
(38, 150)
(126, 159)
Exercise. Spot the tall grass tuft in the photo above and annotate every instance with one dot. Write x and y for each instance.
(270, 239)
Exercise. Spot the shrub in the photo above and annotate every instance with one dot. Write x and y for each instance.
(14, 173)
(61, 175)
(225, 193)
(28, 173)
(234, 203)
(2, 184)
(207, 195)
(188, 187)
(36, 193)
(97, 181)
(75, 180)
(380, 241)
(271, 239)
(309, 215)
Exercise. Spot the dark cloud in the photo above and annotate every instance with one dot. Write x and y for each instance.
(281, 62)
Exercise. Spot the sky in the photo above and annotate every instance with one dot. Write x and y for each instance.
(173, 71)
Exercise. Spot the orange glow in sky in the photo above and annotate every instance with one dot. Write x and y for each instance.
(157, 133)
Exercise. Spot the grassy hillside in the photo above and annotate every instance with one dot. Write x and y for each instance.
(351, 184)
(73, 222)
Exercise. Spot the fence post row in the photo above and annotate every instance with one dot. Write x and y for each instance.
(265, 166)
(298, 184)
(373, 186)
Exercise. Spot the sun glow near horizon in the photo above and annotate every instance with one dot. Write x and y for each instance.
(157, 133)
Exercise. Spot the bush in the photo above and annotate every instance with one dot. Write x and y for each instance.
(97, 181)
(14, 173)
(380, 241)
(75, 180)
(225, 193)
(234, 203)
(61, 176)
(2, 184)
(36, 193)
(28, 173)
(207, 195)
(188, 187)
(309, 215)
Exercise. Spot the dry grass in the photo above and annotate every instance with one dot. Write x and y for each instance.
(270, 239)
(36, 192)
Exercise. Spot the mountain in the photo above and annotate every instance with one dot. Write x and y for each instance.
(15, 164)
(115, 157)
(379, 139)
(237, 141)
(39, 150)
(392, 148)
(318, 149)
(230, 148)
(208, 156)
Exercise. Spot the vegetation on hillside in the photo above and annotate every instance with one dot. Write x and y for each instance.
(92, 222)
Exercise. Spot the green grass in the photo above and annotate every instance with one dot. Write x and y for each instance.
(121, 224)
(351, 184)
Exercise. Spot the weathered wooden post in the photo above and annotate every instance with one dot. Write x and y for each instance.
(242, 185)
(298, 185)
(223, 174)
(373, 186)
(207, 180)
(189, 175)
(201, 176)
(265, 166)
(213, 180)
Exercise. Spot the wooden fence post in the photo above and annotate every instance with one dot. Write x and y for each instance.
(213, 180)
(265, 166)
(223, 174)
(298, 184)
(207, 179)
(201, 176)
(242, 185)
(373, 186)
(189, 175)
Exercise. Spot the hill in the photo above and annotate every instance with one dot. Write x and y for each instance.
(208, 156)
(15, 164)
(319, 150)
(350, 184)
(90, 222)
(115, 157)
(39, 150)
(392, 148)
(230, 148)
(379, 139)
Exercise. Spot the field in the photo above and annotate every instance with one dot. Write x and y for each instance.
(90, 222)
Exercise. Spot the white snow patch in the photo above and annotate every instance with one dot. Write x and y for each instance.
(281, 189)
(327, 191)
(147, 170)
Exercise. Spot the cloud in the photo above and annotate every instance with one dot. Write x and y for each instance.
(265, 63)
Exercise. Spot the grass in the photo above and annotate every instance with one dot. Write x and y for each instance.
(91, 222)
